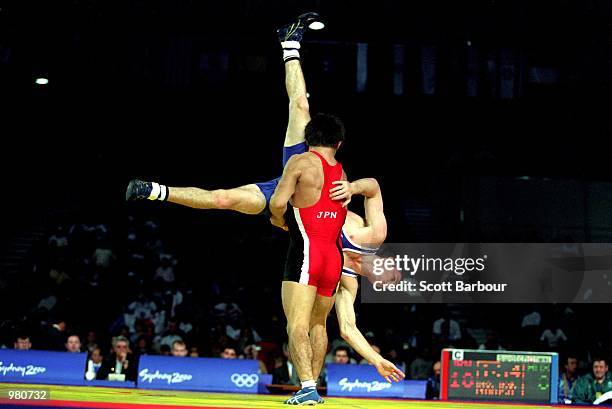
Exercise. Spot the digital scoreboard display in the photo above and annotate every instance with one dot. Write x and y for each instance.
(499, 376)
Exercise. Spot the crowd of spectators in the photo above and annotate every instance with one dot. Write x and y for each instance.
(118, 292)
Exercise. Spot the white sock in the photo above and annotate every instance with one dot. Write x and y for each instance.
(159, 192)
(290, 50)
(309, 384)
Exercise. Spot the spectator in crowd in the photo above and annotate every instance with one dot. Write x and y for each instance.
(568, 377)
(491, 343)
(103, 256)
(533, 319)
(420, 367)
(164, 350)
(165, 272)
(121, 361)
(22, 342)
(248, 336)
(58, 239)
(94, 363)
(143, 346)
(228, 310)
(592, 385)
(251, 352)
(194, 352)
(48, 301)
(553, 336)
(447, 328)
(229, 353)
(179, 348)
(433, 382)
(73, 343)
(143, 307)
(92, 341)
(56, 337)
(342, 355)
(284, 372)
(173, 333)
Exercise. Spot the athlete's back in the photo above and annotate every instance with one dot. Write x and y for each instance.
(315, 222)
(302, 201)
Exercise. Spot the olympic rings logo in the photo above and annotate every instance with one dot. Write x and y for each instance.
(244, 380)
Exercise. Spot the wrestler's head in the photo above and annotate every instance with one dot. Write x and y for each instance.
(324, 130)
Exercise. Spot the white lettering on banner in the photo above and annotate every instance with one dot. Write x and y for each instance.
(171, 378)
(244, 380)
(369, 386)
(28, 370)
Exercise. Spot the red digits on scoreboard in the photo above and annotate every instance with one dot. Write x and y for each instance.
(467, 380)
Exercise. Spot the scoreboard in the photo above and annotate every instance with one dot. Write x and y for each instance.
(499, 376)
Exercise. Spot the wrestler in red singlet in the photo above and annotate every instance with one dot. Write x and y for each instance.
(315, 250)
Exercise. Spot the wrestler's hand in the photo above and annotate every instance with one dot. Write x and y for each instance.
(342, 191)
(279, 222)
(387, 370)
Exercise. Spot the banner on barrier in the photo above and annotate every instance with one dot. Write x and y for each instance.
(63, 368)
(364, 381)
(198, 374)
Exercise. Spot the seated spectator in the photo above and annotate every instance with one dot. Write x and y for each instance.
(56, 337)
(120, 362)
(142, 308)
(22, 342)
(173, 333)
(248, 336)
(342, 355)
(164, 350)
(251, 352)
(93, 363)
(447, 328)
(194, 352)
(103, 256)
(165, 271)
(73, 343)
(92, 341)
(568, 377)
(229, 353)
(592, 385)
(491, 343)
(553, 336)
(433, 382)
(58, 239)
(284, 372)
(143, 346)
(533, 319)
(420, 367)
(179, 349)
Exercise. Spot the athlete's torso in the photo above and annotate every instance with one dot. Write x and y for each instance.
(317, 214)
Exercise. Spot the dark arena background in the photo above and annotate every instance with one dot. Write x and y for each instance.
(483, 121)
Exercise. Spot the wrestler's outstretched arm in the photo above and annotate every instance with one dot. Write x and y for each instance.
(345, 298)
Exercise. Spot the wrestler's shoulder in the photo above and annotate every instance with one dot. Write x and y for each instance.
(301, 160)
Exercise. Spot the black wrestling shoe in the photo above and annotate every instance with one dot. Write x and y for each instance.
(138, 190)
(295, 31)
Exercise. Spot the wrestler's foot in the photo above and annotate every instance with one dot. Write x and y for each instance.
(305, 396)
(291, 34)
(295, 30)
(141, 190)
